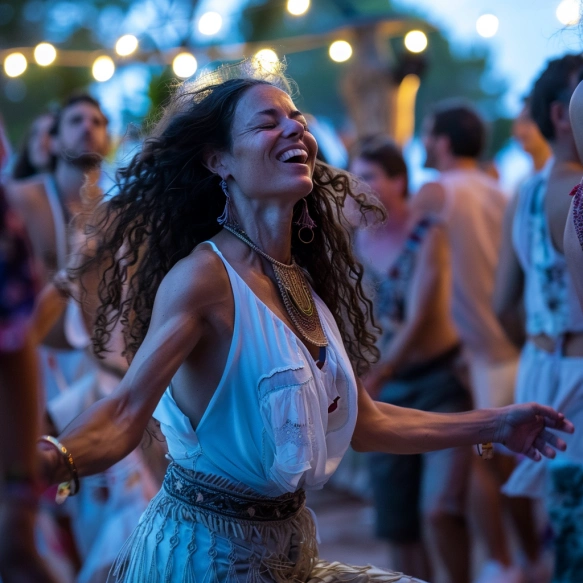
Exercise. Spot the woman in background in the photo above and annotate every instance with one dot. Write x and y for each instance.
(419, 499)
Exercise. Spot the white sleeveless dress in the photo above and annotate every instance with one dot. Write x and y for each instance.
(232, 507)
(552, 308)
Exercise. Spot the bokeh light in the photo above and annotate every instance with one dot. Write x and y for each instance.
(184, 65)
(267, 59)
(45, 54)
(210, 23)
(568, 12)
(126, 45)
(340, 51)
(103, 68)
(487, 25)
(15, 64)
(298, 7)
(416, 41)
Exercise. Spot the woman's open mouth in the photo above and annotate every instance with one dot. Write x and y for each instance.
(295, 156)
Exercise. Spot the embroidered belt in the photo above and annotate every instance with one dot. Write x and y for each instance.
(184, 486)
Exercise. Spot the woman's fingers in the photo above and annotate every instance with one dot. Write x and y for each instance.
(553, 440)
(533, 454)
(554, 419)
(544, 448)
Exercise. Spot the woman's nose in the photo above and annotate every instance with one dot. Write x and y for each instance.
(293, 127)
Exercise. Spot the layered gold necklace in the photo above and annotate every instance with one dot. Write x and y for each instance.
(294, 290)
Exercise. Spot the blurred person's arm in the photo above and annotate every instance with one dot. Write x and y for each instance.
(509, 287)
(19, 414)
(19, 560)
(48, 320)
(426, 298)
(429, 200)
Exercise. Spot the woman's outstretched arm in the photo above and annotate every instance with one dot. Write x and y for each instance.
(522, 428)
(113, 427)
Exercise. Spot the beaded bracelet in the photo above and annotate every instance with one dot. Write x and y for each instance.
(64, 489)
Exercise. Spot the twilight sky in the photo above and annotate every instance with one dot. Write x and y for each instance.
(529, 34)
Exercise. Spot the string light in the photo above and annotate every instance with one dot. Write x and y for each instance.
(126, 45)
(415, 41)
(15, 64)
(184, 65)
(298, 7)
(568, 12)
(210, 23)
(45, 54)
(340, 51)
(487, 25)
(267, 59)
(103, 68)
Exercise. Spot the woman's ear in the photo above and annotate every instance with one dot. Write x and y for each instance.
(213, 161)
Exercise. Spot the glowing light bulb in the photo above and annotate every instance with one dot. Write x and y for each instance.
(298, 7)
(267, 59)
(15, 64)
(415, 41)
(487, 25)
(184, 65)
(568, 12)
(103, 68)
(340, 51)
(210, 23)
(126, 45)
(45, 54)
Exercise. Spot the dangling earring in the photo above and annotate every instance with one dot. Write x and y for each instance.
(306, 222)
(226, 216)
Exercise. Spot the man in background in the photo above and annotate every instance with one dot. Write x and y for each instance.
(471, 205)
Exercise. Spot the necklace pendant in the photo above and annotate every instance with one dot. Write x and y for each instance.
(294, 290)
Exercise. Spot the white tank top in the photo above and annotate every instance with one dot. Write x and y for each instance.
(473, 212)
(550, 300)
(276, 422)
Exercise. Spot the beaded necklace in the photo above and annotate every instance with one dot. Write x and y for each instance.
(295, 292)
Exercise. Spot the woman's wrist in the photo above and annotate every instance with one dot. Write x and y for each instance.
(491, 426)
(52, 466)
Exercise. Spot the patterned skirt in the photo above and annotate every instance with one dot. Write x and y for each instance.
(207, 530)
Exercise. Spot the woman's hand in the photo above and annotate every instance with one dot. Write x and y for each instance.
(524, 429)
(19, 560)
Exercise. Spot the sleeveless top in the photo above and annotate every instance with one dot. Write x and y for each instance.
(393, 286)
(276, 422)
(473, 213)
(59, 220)
(551, 304)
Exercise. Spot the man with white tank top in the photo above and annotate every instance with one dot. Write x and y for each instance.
(471, 205)
(79, 141)
(47, 202)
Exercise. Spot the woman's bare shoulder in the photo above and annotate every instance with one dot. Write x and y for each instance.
(199, 280)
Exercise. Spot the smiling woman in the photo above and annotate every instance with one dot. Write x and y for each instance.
(244, 341)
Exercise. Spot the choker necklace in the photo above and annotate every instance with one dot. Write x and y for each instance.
(295, 292)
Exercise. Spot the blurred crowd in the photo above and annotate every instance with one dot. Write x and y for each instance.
(475, 291)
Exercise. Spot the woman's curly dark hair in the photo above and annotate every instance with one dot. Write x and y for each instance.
(168, 203)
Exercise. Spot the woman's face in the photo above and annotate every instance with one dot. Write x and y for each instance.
(272, 153)
(39, 143)
(389, 190)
